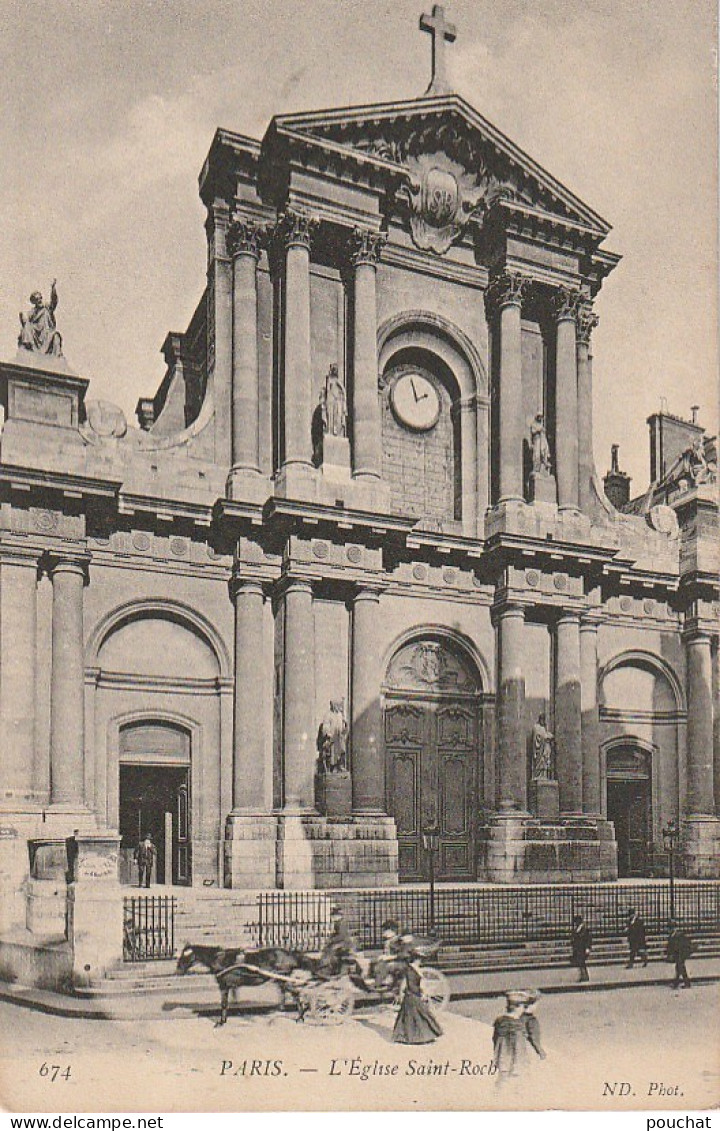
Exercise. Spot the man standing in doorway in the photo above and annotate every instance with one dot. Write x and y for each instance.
(145, 856)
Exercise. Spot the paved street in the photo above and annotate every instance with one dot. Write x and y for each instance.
(640, 1036)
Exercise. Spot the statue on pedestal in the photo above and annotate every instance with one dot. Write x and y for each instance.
(38, 331)
(334, 405)
(539, 446)
(543, 752)
(332, 739)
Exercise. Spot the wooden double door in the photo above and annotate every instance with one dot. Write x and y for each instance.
(432, 760)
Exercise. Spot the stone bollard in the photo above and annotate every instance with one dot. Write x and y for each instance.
(95, 908)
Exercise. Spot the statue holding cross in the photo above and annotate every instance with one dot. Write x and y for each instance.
(442, 33)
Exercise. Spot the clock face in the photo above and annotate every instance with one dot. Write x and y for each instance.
(415, 401)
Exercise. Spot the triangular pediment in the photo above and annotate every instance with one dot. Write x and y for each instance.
(404, 137)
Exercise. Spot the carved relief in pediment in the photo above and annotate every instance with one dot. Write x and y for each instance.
(443, 197)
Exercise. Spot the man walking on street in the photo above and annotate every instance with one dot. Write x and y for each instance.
(679, 949)
(636, 938)
(580, 943)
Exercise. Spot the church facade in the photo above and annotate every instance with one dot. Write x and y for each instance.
(351, 591)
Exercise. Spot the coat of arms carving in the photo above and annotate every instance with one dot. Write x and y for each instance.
(442, 198)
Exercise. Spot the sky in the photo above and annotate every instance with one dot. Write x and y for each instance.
(109, 108)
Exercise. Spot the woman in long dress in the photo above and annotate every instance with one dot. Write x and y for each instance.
(416, 1024)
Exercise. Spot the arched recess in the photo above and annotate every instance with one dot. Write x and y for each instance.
(642, 724)
(169, 610)
(159, 663)
(440, 474)
(432, 729)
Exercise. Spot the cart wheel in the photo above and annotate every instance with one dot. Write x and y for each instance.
(329, 1005)
(436, 988)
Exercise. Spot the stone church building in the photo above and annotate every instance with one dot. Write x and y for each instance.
(366, 480)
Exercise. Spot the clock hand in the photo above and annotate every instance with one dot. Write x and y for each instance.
(424, 397)
(412, 384)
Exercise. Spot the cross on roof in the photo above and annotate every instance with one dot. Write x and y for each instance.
(442, 33)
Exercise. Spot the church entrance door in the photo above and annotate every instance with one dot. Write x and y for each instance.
(433, 758)
(155, 798)
(629, 807)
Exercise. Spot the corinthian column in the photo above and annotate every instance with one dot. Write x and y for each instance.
(504, 296)
(590, 721)
(18, 631)
(566, 301)
(587, 320)
(365, 412)
(67, 694)
(295, 229)
(244, 242)
(368, 770)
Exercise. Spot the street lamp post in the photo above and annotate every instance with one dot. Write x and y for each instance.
(671, 837)
(431, 843)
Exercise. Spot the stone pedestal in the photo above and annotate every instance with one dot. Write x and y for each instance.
(333, 794)
(336, 458)
(522, 850)
(543, 488)
(325, 852)
(545, 799)
(249, 850)
(700, 847)
(95, 909)
(46, 907)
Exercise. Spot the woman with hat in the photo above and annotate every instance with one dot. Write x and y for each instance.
(416, 1024)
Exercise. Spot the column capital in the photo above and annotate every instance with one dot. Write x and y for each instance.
(506, 610)
(367, 593)
(58, 561)
(246, 236)
(366, 247)
(589, 622)
(566, 302)
(568, 616)
(296, 229)
(587, 320)
(507, 288)
(250, 585)
(293, 583)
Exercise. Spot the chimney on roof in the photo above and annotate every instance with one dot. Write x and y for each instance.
(617, 482)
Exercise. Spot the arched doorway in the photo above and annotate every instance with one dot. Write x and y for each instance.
(433, 755)
(154, 790)
(629, 806)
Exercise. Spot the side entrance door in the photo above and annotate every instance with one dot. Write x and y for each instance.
(432, 756)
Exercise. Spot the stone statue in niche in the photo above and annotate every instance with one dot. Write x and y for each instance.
(38, 332)
(691, 468)
(334, 405)
(332, 739)
(543, 752)
(539, 446)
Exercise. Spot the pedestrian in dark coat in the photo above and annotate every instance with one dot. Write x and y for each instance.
(636, 938)
(679, 949)
(580, 944)
(416, 1024)
(145, 855)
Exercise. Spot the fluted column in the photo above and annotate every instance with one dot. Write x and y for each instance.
(368, 769)
(700, 799)
(67, 690)
(503, 299)
(250, 785)
(299, 696)
(18, 619)
(587, 320)
(365, 411)
(512, 743)
(568, 730)
(295, 229)
(590, 721)
(244, 243)
(566, 301)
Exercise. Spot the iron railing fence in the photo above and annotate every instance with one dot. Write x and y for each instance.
(482, 916)
(148, 927)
